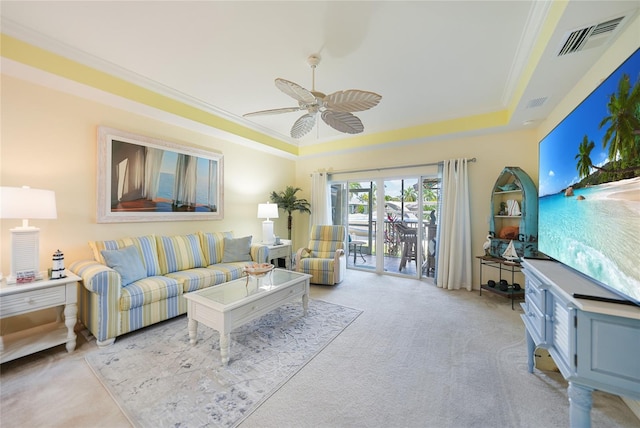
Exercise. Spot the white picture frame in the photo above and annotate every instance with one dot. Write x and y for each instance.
(143, 179)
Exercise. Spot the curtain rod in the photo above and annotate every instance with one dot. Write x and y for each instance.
(390, 167)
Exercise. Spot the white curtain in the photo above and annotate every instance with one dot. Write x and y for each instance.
(320, 202)
(454, 234)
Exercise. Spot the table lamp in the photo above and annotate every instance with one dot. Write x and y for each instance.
(26, 203)
(267, 211)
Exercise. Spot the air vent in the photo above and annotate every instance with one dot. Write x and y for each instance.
(589, 37)
(536, 102)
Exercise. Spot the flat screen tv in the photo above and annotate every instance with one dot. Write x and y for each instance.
(589, 185)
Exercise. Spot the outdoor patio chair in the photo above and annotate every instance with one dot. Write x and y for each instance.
(409, 242)
(355, 247)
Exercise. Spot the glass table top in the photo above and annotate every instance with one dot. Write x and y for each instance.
(246, 287)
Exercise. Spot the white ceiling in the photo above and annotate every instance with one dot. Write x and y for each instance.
(430, 60)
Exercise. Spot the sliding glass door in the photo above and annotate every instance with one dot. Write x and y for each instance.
(391, 223)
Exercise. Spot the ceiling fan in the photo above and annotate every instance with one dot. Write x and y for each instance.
(335, 109)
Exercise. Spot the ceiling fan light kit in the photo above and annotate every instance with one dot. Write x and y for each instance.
(335, 109)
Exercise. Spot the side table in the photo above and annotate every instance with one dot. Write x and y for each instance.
(17, 299)
(501, 265)
(281, 251)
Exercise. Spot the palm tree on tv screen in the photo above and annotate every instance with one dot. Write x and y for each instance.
(584, 157)
(622, 135)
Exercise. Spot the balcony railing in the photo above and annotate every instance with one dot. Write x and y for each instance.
(392, 240)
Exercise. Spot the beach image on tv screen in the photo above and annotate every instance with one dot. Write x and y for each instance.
(589, 184)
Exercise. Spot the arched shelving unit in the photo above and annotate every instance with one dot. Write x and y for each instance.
(514, 184)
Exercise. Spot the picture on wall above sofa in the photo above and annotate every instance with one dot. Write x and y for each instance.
(147, 179)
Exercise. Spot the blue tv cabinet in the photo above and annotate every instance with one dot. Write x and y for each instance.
(596, 345)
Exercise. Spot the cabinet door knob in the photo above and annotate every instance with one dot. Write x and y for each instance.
(28, 300)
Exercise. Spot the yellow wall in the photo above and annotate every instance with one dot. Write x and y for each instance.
(48, 140)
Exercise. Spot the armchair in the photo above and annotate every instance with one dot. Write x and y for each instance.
(324, 257)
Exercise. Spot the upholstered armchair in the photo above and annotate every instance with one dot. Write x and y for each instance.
(324, 257)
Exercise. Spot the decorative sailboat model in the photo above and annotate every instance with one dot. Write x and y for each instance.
(510, 253)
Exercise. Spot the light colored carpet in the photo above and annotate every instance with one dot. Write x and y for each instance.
(160, 380)
(418, 356)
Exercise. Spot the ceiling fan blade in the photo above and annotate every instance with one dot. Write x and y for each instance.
(343, 121)
(352, 100)
(303, 125)
(295, 91)
(272, 111)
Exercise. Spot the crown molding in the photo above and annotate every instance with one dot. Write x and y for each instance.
(56, 47)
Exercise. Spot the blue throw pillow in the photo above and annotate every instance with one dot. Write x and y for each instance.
(127, 262)
(237, 250)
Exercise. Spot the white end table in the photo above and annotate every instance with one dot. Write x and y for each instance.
(281, 251)
(17, 299)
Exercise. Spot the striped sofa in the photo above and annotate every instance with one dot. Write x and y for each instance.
(170, 266)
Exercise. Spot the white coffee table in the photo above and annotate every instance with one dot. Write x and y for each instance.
(228, 306)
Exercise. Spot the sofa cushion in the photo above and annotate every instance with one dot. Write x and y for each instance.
(213, 245)
(127, 262)
(321, 270)
(179, 252)
(230, 270)
(149, 290)
(145, 244)
(237, 250)
(199, 278)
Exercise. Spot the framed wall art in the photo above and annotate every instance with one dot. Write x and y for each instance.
(143, 179)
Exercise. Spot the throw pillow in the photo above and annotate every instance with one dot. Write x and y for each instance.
(213, 245)
(145, 244)
(127, 262)
(237, 250)
(179, 252)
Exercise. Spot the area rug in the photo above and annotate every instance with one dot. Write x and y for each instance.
(160, 380)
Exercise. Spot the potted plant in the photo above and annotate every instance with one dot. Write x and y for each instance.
(289, 202)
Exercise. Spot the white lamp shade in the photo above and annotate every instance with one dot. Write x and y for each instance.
(267, 210)
(26, 203)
